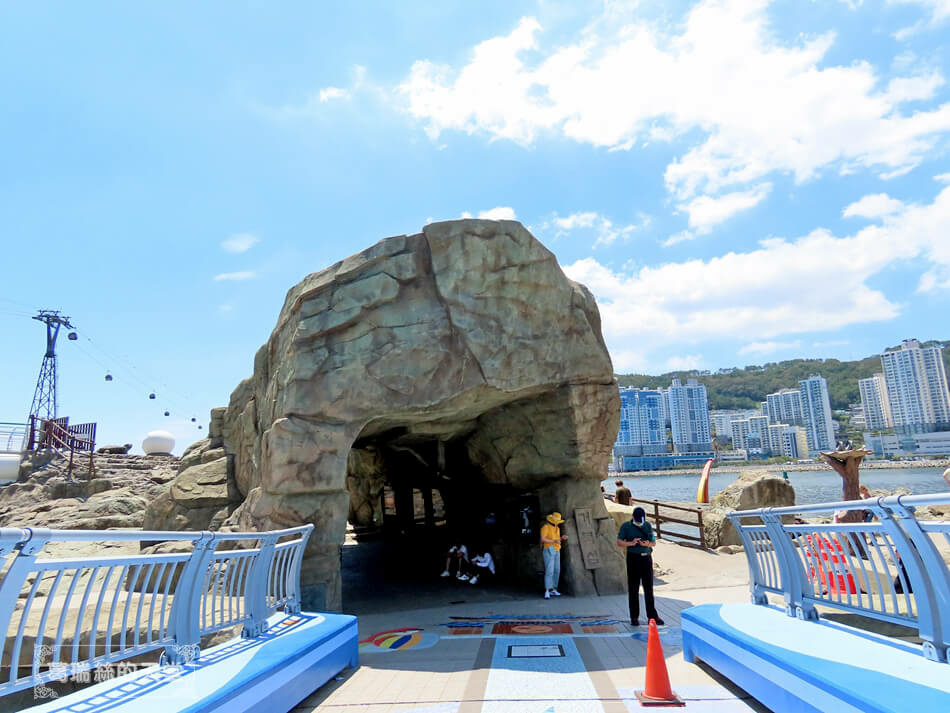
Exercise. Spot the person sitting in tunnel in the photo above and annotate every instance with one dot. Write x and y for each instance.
(456, 558)
(482, 565)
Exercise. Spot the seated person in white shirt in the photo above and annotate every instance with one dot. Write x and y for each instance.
(457, 556)
(482, 565)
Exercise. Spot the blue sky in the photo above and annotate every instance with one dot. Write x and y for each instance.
(737, 182)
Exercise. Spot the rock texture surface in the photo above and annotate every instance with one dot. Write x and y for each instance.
(468, 334)
(748, 492)
(117, 496)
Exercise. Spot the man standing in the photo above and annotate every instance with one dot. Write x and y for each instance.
(636, 536)
(623, 494)
(551, 539)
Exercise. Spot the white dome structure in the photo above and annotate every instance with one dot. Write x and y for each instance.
(158, 443)
(9, 467)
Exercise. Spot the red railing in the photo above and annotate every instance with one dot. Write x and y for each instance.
(58, 435)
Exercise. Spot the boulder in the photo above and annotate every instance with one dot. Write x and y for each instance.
(462, 354)
(748, 492)
(116, 450)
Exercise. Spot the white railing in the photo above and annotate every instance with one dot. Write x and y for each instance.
(891, 568)
(69, 615)
(12, 437)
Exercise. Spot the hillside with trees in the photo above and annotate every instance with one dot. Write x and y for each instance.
(747, 387)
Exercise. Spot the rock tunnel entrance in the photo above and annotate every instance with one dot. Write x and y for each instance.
(459, 367)
(411, 496)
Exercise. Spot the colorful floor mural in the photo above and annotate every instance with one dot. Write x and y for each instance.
(398, 640)
(527, 625)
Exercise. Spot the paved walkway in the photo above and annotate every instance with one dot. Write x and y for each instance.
(562, 655)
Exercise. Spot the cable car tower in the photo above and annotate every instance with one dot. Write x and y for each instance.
(44, 398)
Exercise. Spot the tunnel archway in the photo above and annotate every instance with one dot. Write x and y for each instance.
(460, 357)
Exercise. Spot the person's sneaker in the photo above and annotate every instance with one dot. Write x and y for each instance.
(555, 593)
(446, 573)
(659, 621)
(463, 577)
(547, 595)
(634, 622)
(473, 580)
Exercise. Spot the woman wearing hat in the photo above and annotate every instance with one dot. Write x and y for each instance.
(637, 537)
(551, 539)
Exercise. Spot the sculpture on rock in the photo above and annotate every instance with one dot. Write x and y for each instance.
(459, 359)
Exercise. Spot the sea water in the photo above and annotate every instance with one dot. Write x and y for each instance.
(810, 486)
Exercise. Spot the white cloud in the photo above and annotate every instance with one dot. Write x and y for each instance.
(873, 206)
(942, 178)
(705, 211)
(330, 93)
(499, 213)
(680, 237)
(734, 296)
(939, 11)
(576, 220)
(239, 243)
(606, 233)
(246, 275)
(688, 362)
(762, 348)
(759, 104)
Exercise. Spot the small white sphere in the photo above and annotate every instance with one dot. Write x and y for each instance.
(158, 443)
(9, 467)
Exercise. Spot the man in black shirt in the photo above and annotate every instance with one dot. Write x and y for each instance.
(636, 536)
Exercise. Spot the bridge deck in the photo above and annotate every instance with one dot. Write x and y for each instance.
(272, 672)
(797, 666)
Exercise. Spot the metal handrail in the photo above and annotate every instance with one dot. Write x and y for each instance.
(68, 615)
(890, 568)
(13, 437)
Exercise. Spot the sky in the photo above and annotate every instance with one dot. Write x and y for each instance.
(737, 181)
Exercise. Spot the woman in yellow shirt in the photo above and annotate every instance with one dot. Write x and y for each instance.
(551, 539)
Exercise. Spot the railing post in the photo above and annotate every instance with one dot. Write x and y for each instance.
(294, 585)
(927, 573)
(255, 594)
(790, 568)
(755, 573)
(702, 533)
(12, 582)
(656, 517)
(184, 621)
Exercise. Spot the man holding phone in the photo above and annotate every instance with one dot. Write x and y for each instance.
(636, 536)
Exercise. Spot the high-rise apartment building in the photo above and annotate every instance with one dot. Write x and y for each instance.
(816, 405)
(916, 382)
(877, 408)
(689, 416)
(785, 406)
(641, 425)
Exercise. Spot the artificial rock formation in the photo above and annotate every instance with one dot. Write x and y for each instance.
(466, 341)
(749, 491)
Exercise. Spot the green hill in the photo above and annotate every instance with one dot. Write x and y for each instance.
(748, 387)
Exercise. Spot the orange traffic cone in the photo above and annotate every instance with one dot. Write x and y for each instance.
(657, 691)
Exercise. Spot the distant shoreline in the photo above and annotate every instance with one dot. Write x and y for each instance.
(786, 467)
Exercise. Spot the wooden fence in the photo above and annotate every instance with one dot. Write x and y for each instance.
(686, 517)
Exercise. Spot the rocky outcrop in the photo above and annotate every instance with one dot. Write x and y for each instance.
(117, 496)
(466, 336)
(749, 492)
(202, 495)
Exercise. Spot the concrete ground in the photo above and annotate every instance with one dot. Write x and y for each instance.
(456, 648)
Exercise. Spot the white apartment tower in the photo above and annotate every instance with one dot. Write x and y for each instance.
(916, 382)
(816, 405)
(877, 408)
(785, 406)
(689, 416)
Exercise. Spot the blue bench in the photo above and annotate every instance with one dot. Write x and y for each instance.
(274, 671)
(798, 666)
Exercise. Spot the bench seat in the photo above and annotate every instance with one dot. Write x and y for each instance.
(296, 655)
(796, 666)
